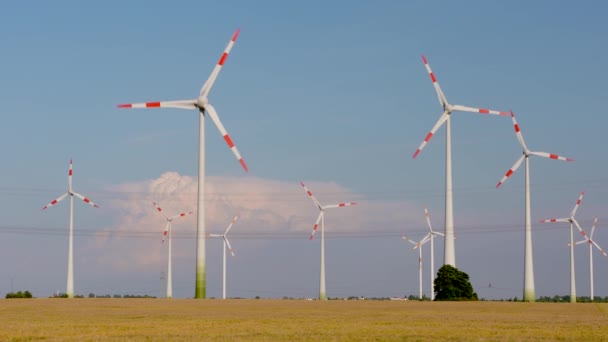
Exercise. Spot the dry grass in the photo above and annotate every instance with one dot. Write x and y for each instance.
(266, 320)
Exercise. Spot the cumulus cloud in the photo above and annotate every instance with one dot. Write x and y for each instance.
(266, 208)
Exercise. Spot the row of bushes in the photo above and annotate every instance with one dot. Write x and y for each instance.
(19, 294)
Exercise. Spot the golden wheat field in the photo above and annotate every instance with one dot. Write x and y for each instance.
(298, 320)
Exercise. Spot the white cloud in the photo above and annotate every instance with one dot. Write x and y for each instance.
(266, 207)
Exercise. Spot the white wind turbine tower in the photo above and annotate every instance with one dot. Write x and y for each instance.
(168, 230)
(573, 223)
(592, 243)
(432, 234)
(418, 245)
(201, 103)
(449, 253)
(529, 291)
(70, 282)
(226, 243)
(321, 218)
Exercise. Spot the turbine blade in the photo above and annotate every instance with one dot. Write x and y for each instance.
(564, 220)
(428, 219)
(312, 197)
(216, 120)
(85, 199)
(228, 244)
(443, 118)
(511, 171)
(593, 228)
(551, 156)
(209, 83)
(599, 248)
(160, 210)
(230, 225)
(181, 215)
(314, 228)
(479, 110)
(165, 231)
(408, 240)
(70, 173)
(580, 230)
(346, 204)
(55, 201)
(582, 241)
(578, 204)
(440, 96)
(518, 134)
(425, 239)
(181, 104)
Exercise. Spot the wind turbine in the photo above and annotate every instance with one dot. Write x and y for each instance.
(418, 245)
(201, 103)
(226, 243)
(168, 230)
(432, 234)
(70, 282)
(449, 253)
(321, 218)
(573, 223)
(529, 291)
(591, 243)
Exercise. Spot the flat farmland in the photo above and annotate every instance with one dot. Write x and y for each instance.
(298, 320)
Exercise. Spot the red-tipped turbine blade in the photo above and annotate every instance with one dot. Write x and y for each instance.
(216, 120)
(55, 201)
(181, 104)
(211, 80)
(511, 171)
(86, 200)
(443, 118)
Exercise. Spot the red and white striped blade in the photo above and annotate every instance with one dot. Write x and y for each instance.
(159, 209)
(312, 197)
(564, 220)
(479, 110)
(593, 228)
(70, 173)
(346, 204)
(209, 83)
(166, 231)
(511, 171)
(230, 225)
(443, 118)
(85, 199)
(181, 215)
(216, 120)
(580, 230)
(316, 226)
(408, 240)
(55, 201)
(440, 96)
(518, 134)
(551, 156)
(228, 244)
(181, 104)
(578, 204)
(428, 219)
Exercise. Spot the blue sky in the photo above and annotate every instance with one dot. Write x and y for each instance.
(332, 93)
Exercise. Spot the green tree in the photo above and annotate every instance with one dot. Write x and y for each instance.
(453, 284)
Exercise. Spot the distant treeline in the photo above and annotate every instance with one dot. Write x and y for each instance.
(92, 295)
(19, 294)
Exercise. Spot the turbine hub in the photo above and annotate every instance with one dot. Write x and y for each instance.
(201, 102)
